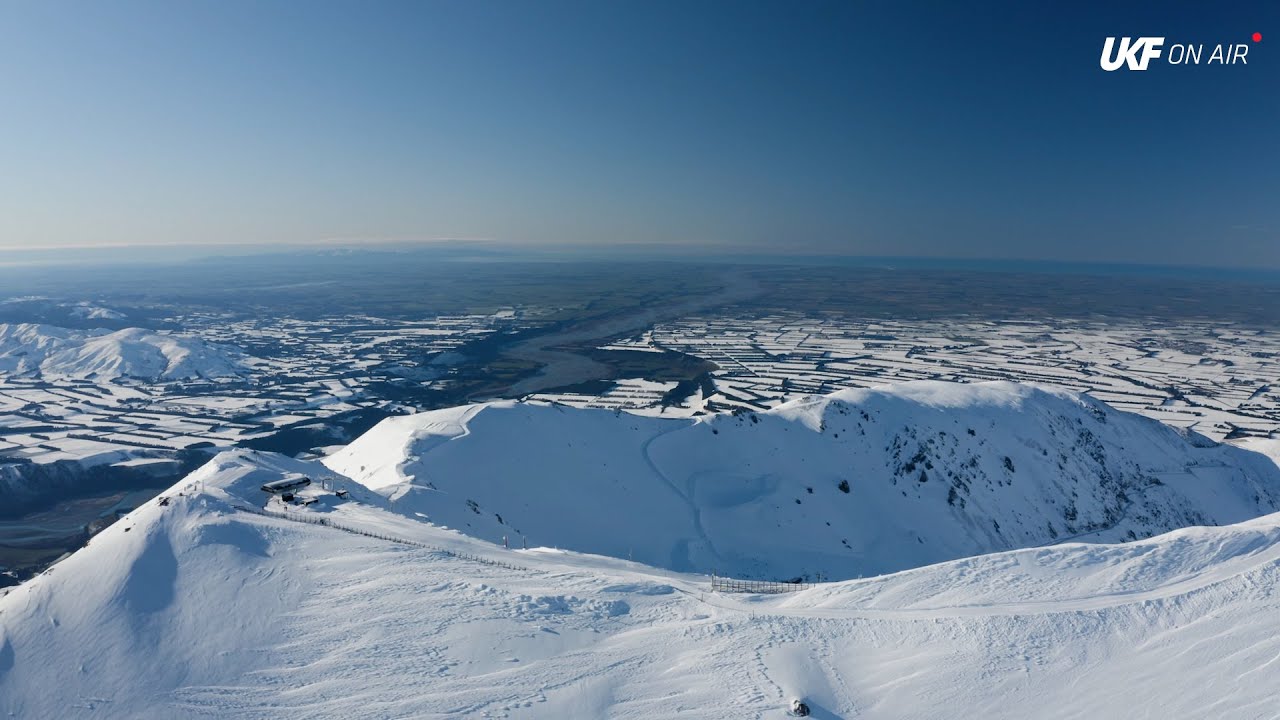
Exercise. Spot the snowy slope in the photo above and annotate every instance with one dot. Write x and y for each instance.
(51, 352)
(856, 483)
(197, 609)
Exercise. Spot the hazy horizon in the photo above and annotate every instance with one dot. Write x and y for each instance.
(52, 263)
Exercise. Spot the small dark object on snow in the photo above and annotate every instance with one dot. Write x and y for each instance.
(287, 497)
(164, 501)
(799, 709)
(341, 493)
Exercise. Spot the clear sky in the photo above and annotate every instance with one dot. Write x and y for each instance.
(887, 128)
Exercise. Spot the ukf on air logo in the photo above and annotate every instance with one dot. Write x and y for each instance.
(1137, 53)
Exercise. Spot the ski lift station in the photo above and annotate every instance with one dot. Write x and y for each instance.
(286, 485)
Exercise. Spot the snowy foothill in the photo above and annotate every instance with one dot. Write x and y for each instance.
(51, 352)
(379, 591)
(89, 311)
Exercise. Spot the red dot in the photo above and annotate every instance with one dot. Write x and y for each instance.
(1257, 37)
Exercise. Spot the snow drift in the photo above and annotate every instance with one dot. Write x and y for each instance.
(856, 483)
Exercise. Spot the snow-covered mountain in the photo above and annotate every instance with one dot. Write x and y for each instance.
(48, 351)
(856, 483)
(89, 311)
(193, 606)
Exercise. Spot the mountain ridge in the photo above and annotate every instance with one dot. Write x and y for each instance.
(856, 483)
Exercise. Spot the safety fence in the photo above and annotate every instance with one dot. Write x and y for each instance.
(327, 522)
(758, 587)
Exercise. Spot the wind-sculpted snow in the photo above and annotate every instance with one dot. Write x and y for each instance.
(51, 352)
(191, 607)
(856, 483)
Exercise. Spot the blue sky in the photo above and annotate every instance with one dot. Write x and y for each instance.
(902, 129)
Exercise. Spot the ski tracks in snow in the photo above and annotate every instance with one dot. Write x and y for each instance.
(686, 494)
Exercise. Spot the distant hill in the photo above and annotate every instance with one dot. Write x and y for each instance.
(54, 352)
